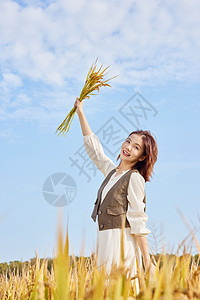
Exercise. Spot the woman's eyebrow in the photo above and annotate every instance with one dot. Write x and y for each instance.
(135, 143)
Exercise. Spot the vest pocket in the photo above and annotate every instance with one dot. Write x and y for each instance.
(115, 210)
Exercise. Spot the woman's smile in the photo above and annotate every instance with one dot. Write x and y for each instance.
(126, 153)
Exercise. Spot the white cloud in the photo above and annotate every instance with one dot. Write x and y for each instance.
(21, 100)
(53, 43)
(141, 39)
(10, 80)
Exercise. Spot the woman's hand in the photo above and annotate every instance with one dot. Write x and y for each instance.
(79, 105)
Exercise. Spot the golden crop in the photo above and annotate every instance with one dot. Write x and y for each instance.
(176, 277)
(93, 82)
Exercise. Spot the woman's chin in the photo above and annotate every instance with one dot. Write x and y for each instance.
(123, 157)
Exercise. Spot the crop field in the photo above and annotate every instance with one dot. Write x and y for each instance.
(70, 277)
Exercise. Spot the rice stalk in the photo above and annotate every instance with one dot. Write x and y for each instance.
(176, 277)
(94, 81)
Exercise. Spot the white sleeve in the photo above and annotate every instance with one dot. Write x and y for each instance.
(136, 216)
(95, 151)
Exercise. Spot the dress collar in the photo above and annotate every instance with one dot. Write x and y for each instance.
(122, 170)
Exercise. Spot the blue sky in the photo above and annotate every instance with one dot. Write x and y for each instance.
(46, 49)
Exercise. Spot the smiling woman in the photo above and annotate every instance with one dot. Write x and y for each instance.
(121, 200)
(142, 151)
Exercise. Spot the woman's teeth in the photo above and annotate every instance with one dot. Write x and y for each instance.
(125, 153)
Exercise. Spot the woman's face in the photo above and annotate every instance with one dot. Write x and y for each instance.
(134, 146)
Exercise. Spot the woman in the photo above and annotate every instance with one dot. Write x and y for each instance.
(138, 156)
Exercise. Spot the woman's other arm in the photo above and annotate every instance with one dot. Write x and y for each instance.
(137, 217)
(143, 244)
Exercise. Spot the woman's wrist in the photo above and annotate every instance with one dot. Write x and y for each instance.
(79, 112)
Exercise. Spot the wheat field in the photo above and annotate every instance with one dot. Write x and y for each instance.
(70, 277)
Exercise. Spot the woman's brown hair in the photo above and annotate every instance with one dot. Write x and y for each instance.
(145, 167)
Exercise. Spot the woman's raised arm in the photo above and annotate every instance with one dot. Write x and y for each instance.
(92, 144)
(83, 121)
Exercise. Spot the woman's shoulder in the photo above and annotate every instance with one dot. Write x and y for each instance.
(136, 176)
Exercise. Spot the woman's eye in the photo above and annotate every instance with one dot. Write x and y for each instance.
(134, 146)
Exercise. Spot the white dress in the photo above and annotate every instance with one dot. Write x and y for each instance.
(108, 241)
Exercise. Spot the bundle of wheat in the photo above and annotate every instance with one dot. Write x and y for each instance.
(94, 80)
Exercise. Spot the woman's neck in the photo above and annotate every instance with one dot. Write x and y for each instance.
(123, 167)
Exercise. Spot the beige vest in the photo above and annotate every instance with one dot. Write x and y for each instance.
(112, 211)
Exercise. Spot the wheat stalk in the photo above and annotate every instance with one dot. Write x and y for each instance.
(94, 80)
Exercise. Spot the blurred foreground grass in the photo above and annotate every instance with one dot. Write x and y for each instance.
(70, 277)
